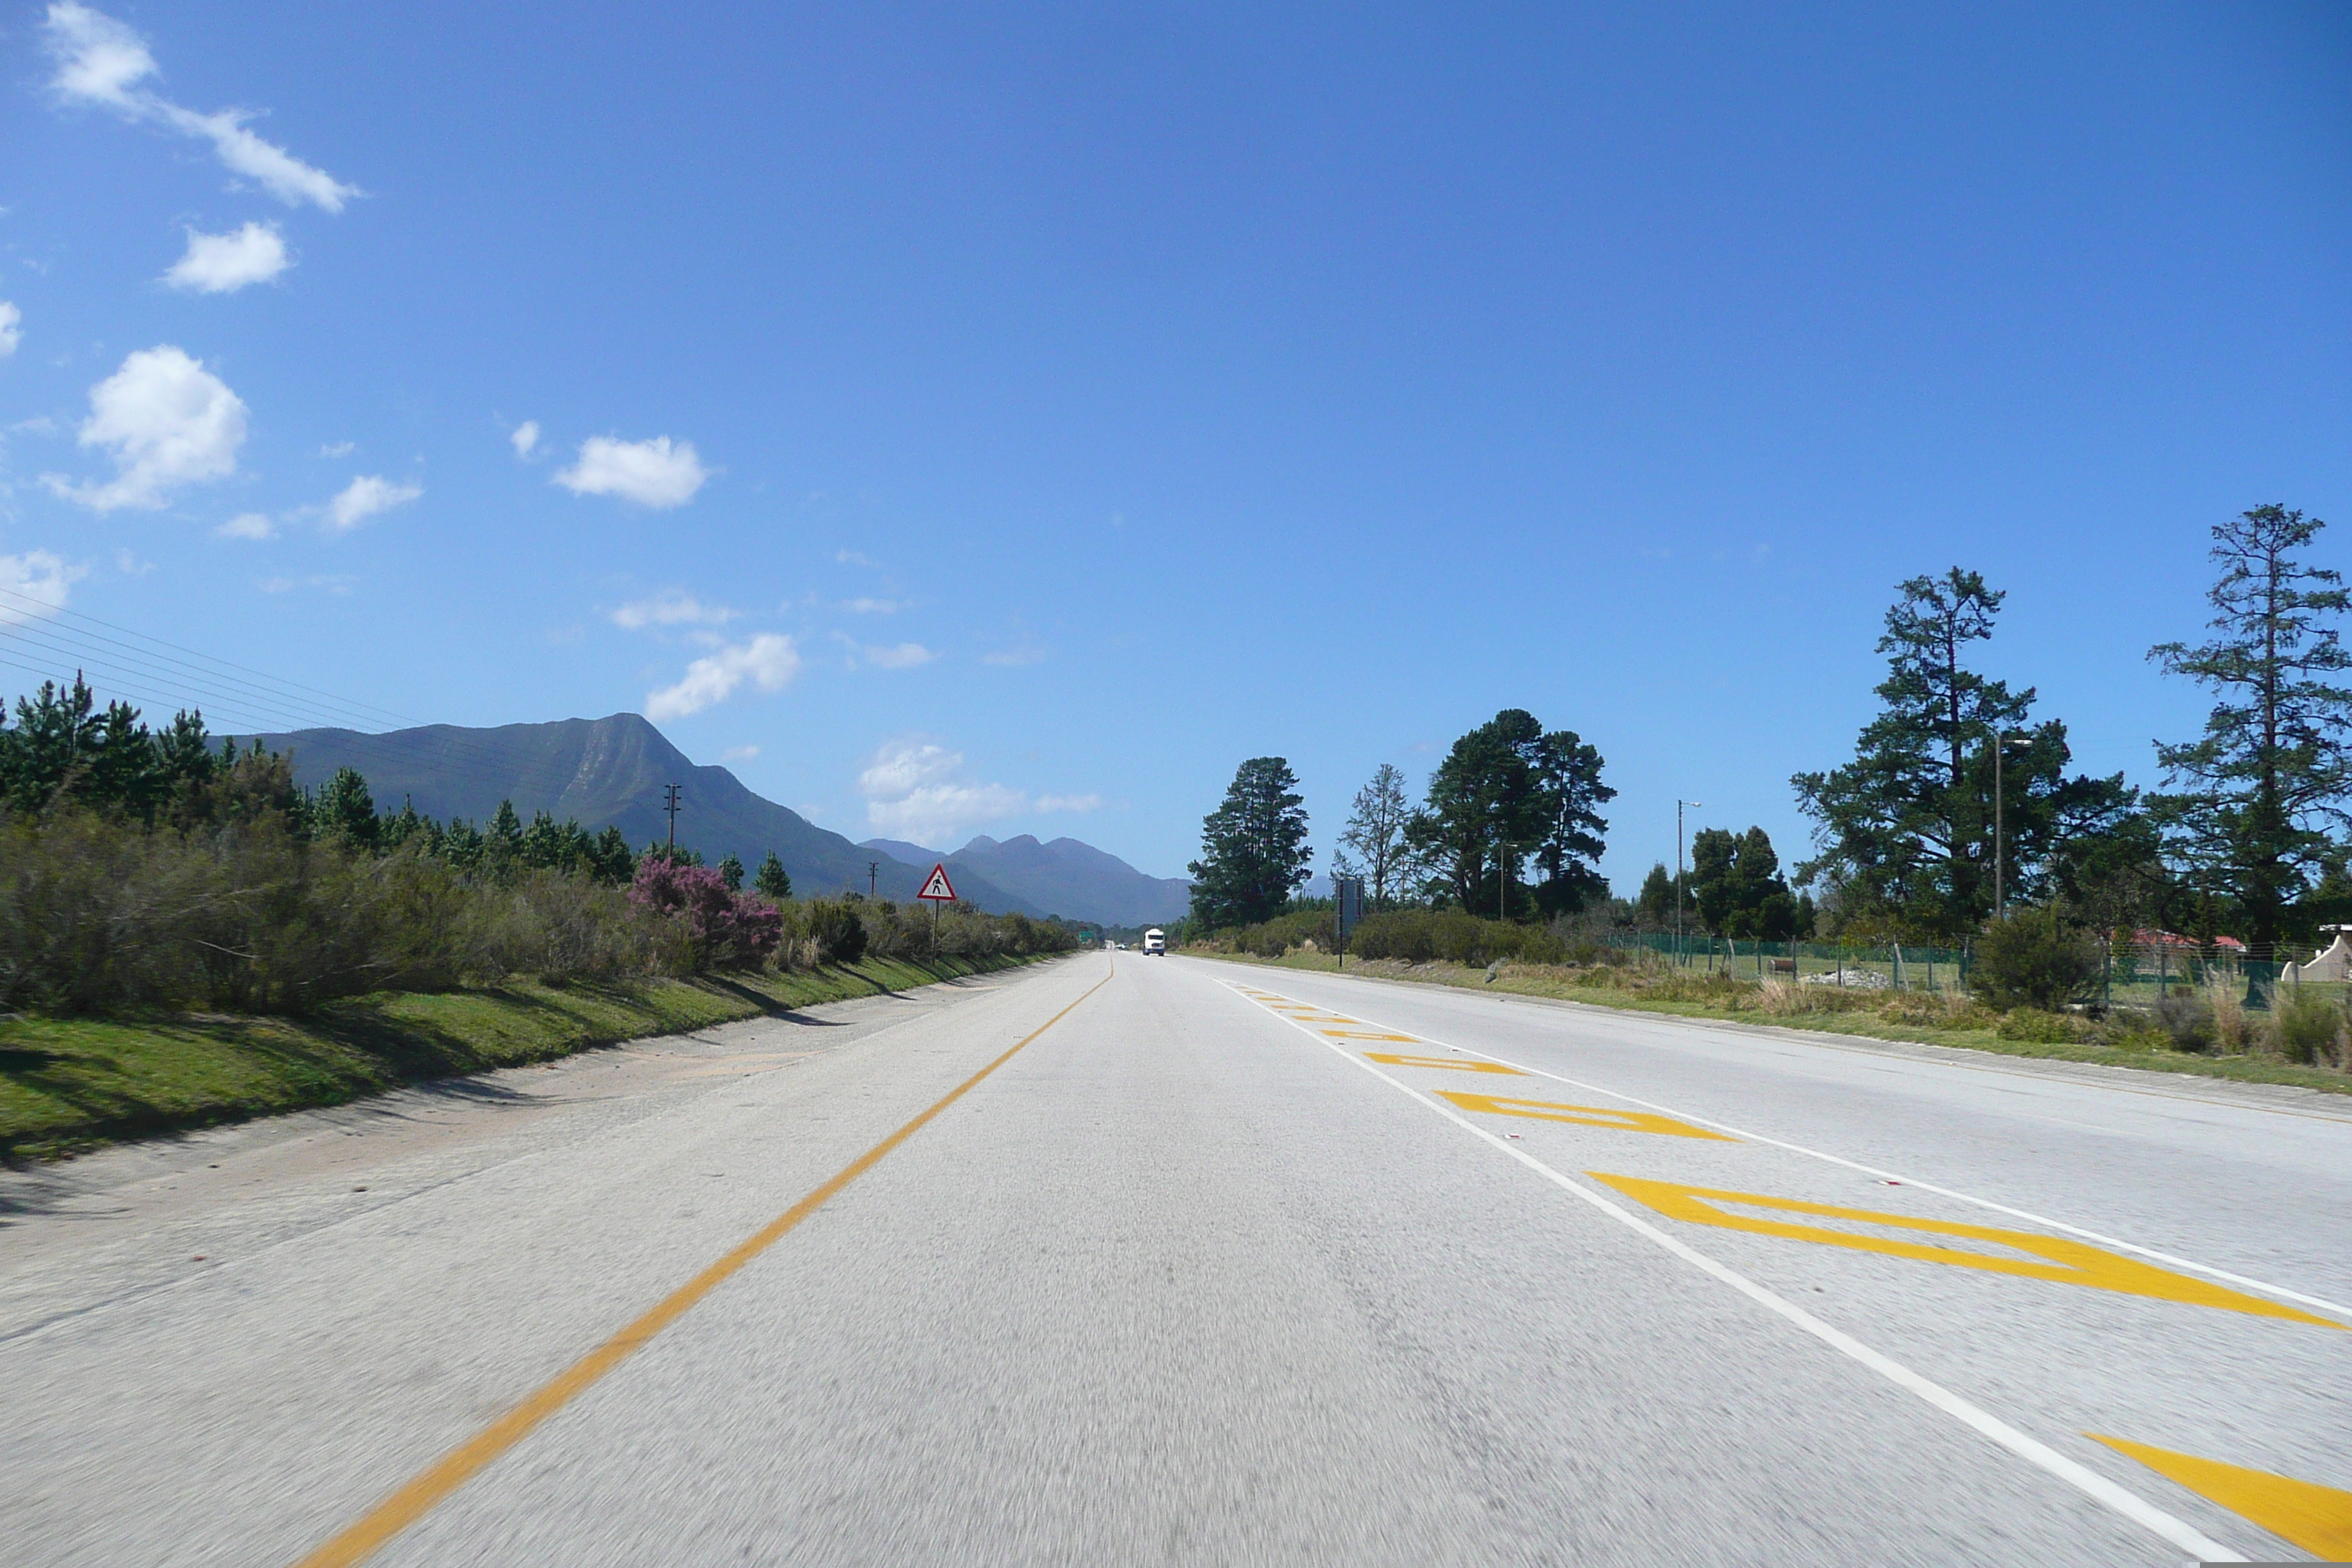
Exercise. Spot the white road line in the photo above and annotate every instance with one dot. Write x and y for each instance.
(2130, 1505)
(2281, 1291)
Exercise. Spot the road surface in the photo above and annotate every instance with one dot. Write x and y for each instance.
(1122, 1259)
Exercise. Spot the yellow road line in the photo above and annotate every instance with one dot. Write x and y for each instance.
(412, 1502)
(2069, 1262)
(2317, 1519)
(1582, 1115)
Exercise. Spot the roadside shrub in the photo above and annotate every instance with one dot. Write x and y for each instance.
(824, 930)
(2033, 958)
(726, 929)
(2039, 1028)
(2186, 1021)
(2308, 1028)
(1453, 936)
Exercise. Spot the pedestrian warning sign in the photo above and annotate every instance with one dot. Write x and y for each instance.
(938, 887)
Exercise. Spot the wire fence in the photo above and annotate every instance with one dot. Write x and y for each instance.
(2134, 974)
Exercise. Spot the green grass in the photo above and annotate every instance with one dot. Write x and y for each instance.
(1529, 981)
(67, 1085)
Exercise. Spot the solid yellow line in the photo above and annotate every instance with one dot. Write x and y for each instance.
(412, 1502)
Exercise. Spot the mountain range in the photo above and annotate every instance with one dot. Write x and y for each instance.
(612, 771)
(1065, 875)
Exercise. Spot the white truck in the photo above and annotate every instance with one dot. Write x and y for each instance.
(1155, 943)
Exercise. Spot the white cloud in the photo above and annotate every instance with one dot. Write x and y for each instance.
(365, 497)
(224, 263)
(337, 448)
(670, 607)
(525, 438)
(247, 525)
(739, 754)
(102, 61)
(33, 586)
(99, 58)
(128, 563)
(12, 328)
(1069, 803)
(1015, 657)
(768, 661)
(166, 422)
(851, 558)
(652, 473)
(906, 656)
(914, 790)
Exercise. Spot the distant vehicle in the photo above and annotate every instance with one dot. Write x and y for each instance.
(1110, 946)
(1122, 947)
(1155, 943)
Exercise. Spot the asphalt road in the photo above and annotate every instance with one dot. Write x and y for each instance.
(1208, 1269)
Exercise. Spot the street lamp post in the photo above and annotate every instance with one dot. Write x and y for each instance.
(1678, 871)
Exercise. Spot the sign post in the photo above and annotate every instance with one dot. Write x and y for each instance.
(936, 890)
(1347, 910)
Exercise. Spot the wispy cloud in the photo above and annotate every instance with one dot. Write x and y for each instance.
(739, 754)
(851, 558)
(337, 448)
(872, 606)
(167, 420)
(103, 62)
(914, 789)
(224, 263)
(337, 585)
(670, 607)
(525, 438)
(12, 328)
(34, 587)
(1027, 653)
(247, 525)
(768, 661)
(656, 473)
(904, 655)
(368, 496)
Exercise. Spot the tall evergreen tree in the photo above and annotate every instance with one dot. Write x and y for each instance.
(1253, 848)
(2251, 800)
(1905, 831)
(1376, 832)
(342, 811)
(772, 881)
(731, 871)
(1653, 906)
(1735, 885)
(1507, 790)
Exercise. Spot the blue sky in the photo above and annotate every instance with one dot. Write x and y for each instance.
(1008, 420)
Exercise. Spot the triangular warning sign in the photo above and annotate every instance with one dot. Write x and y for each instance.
(938, 887)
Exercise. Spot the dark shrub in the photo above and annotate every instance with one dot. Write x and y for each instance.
(2033, 958)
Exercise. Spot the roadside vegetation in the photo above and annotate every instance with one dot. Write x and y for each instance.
(185, 936)
(1958, 827)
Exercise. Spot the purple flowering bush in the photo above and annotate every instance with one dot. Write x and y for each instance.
(728, 929)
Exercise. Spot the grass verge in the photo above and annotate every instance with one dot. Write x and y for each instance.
(1531, 980)
(68, 1085)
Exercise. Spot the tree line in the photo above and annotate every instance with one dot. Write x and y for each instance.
(1959, 797)
(158, 868)
(2242, 835)
(1509, 827)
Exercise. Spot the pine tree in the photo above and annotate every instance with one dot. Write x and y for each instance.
(1376, 832)
(772, 881)
(2254, 796)
(1507, 789)
(1253, 847)
(1906, 829)
(731, 871)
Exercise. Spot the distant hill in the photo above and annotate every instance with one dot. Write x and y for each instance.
(1066, 877)
(609, 772)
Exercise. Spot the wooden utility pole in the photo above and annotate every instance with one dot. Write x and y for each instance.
(672, 795)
